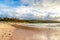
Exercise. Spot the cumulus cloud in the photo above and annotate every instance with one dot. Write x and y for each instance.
(44, 9)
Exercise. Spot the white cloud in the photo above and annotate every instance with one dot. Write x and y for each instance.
(6, 11)
(32, 12)
(40, 12)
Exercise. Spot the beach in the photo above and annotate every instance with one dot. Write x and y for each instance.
(13, 31)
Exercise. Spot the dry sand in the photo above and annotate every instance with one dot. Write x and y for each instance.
(19, 32)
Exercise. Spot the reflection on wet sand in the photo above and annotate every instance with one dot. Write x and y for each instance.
(21, 32)
(30, 33)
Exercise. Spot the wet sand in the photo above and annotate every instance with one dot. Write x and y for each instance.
(20, 32)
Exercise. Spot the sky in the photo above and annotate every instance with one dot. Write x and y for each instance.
(30, 9)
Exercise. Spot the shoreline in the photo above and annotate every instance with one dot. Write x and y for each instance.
(18, 31)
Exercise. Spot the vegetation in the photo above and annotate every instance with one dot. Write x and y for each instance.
(6, 19)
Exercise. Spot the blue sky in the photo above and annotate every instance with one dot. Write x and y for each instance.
(30, 9)
(11, 3)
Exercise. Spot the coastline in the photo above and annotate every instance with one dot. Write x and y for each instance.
(18, 31)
